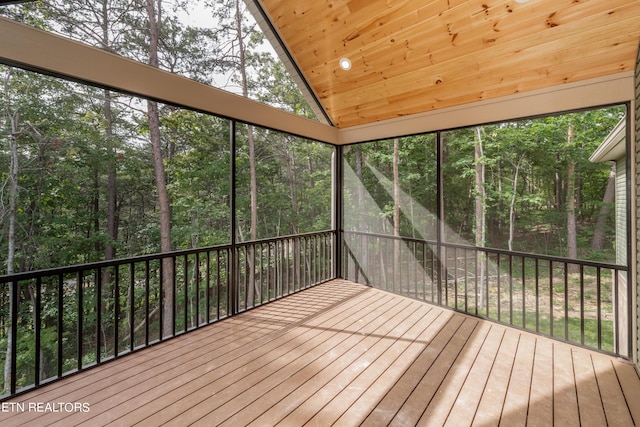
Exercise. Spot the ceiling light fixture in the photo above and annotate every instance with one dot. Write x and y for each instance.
(345, 64)
(521, 1)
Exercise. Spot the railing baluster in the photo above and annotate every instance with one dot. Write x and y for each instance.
(466, 281)
(196, 281)
(147, 285)
(80, 318)
(537, 295)
(185, 263)
(551, 302)
(37, 329)
(116, 316)
(524, 295)
(511, 289)
(582, 304)
(15, 301)
(616, 318)
(477, 281)
(314, 259)
(97, 286)
(174, 306)
(566, 301)
(599, 305)
(499, 296)
(207, 296)
(132, 313)
(161, 331)
(60, 334)
(218, 284)
(455, 278)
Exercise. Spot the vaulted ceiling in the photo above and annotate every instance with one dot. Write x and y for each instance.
(414, 56)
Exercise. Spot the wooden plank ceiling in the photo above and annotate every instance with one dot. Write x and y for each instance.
(413, 56)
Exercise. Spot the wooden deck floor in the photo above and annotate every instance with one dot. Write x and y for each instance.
(345, 354)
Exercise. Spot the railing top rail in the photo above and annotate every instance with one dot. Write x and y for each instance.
(291, 236)
(552, 258)
(143, 258)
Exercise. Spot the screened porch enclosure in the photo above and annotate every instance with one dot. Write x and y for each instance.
(426, 252)
(125, 305)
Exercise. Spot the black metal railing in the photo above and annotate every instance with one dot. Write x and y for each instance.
(65, 320)
(580, 302)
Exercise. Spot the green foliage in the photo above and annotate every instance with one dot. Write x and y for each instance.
(537, 149)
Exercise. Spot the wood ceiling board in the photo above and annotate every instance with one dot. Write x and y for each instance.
(445, 76)
(452, 58)
(463, 92)
(414, 56)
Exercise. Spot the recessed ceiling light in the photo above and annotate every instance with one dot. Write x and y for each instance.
(345, 64)
(521, 1)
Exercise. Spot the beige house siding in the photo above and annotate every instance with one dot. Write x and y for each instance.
(621, 252)
(621, 212)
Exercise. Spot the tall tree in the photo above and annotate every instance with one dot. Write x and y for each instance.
(12, 116)
(480, 208)
(512, 204)
(480, 191)
(572, 233)
(101, 24)
(154, 15)
(396, 213)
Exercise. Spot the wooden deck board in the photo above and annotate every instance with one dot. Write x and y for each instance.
(565, 389)
(516, 404)
(589, 400)
(345, 354)
(616, 413)
(429, 385)
(543, 388)
(493, 397)
(439, 409)
(433, 344)
(297, 372)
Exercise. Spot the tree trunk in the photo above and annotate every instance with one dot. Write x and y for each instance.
(572, 238)
(360, 185)
(293, 190)
(112, 231)
(597, 243)
(480, 191)
(11, 244)
(480, 196)
(396, 213)
(512, 205)
(154, 12)
(253, 288)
